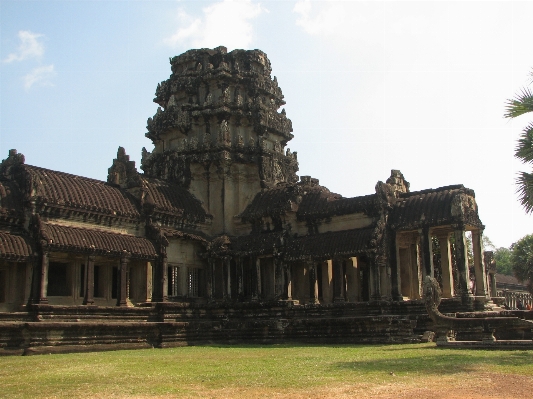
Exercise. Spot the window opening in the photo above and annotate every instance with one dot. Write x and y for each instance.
(192, 283)
(173, 287)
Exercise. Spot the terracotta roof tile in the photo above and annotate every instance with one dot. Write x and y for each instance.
(182, 234)
(431, 207)
(504, 279)
(271, 202)
(257, 244)
(75, 239)
(329, 245)
(172, 199)
(15, 247)
(77, 192)
(320, 205)
(309, 201)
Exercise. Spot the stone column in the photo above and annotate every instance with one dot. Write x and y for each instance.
(254, 277)
(43, 287)
(313, 287)
(35, 280)
(227, 263)
(396, 279)
(479, 265)
(258, 277)
(353, 285)
(446, 265)
(122, 297)
(160, 285)
(385, 283)
(416, 272)
(490, 268)
(210, 282)
(279, 279)
(164, 278)
(28, 280)
(240, 289)
(288, 282)
(461, 258)
(427, 252)
(494, 291)
(338, 281)
(375, 278)
(89, 281)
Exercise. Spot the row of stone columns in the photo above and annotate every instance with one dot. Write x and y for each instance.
(255, 277)
(424, 262)
(40, 281)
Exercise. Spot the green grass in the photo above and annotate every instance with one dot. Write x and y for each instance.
(199, 371)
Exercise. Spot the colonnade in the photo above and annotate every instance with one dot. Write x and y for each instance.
(359, 278)
(41, 279)
(414, 259)
(249, 278)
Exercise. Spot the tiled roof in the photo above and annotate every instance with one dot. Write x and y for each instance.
(174, 200)
(309, 201)
(502, 279)
(75, 239)
(77, 192)
(431, 207)
(14, 247)
(257, 244)
(321, 205)
(314, 200)
(273, 201)
(181, 234)
(329, 245)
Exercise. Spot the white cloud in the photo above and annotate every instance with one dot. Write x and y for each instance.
(41, 76)
(226, 23)
(30, 47)
(324, 22)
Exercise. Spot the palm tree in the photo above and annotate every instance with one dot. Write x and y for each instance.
(522, 104)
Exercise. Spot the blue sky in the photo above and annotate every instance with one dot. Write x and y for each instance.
(370, 86)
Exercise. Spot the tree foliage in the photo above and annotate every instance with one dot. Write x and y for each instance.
(502, 256)
(522, 259)
(521, 104)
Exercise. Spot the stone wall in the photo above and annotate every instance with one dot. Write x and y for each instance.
(56, 329)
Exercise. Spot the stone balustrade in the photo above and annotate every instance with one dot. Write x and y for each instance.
(512, 298)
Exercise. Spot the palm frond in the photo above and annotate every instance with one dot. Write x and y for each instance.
(524, 190)
(524, 146)
(521, 104)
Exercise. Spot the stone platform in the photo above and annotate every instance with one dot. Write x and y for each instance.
(58, 329)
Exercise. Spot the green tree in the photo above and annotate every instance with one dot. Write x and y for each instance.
(522, 260)
(502, 256)
(521, 104)
(487, 244)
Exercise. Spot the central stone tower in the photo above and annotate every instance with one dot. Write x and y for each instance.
(218, 131)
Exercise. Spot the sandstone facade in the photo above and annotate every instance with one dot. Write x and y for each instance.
(219, 215)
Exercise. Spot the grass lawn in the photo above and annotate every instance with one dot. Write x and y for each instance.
(277, 371)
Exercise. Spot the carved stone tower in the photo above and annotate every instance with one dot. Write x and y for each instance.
(218, 131)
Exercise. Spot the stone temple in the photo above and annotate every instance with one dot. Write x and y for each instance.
(216, 237)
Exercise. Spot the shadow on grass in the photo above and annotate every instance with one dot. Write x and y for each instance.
(441, 363)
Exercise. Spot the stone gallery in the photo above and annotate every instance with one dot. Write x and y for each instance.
(216, 238)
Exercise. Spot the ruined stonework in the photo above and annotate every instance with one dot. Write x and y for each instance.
(216, 233)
